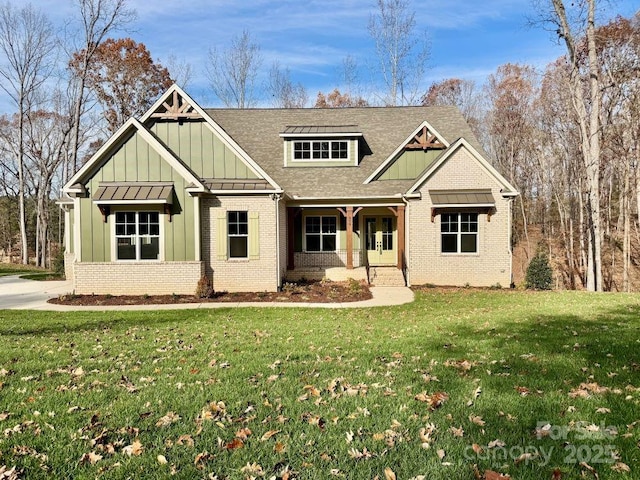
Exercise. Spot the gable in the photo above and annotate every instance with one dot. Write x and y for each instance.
(462, 167)
(133, 154)
(202, 150)
(186, 128)
(410, 164)
(412, 156)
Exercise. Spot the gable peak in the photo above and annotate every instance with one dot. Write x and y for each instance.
(176, 107)
(425, 140)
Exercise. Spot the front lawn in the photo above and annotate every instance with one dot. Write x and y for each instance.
(457, 385)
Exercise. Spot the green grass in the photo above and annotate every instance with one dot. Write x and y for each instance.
(338, 388)
(28, 272)
(17, 269)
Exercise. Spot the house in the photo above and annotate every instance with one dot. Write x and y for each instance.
(252, 198)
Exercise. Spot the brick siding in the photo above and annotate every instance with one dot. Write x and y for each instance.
(492, 264)
(136, 278)
(240, 275)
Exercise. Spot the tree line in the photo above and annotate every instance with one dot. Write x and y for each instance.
(566, 137)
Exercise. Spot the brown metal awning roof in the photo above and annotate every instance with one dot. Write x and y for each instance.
(462, 198)
(216, 184)
(318, 130)
(134, 192)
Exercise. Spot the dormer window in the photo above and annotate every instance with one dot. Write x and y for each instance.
(324, 150)
(321, 146)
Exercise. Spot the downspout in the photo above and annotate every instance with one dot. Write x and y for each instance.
(197, 228)
(276, 198)
(510, 246)
(407, 241)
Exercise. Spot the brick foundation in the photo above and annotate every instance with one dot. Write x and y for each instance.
(137, 278)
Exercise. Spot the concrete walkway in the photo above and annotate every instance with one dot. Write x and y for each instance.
(20, 294)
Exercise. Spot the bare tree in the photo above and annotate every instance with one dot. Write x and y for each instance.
(283, 92)
(181, 71)
(571, 26)
(402, 53)
(27, 43)
(461, 93)
(232, 73)
(98, 18)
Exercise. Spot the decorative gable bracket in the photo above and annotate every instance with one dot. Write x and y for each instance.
(424, 140)
(178, 109)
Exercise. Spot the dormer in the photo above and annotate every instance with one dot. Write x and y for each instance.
(321, 146)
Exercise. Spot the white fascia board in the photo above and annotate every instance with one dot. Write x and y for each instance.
(398, 150)
(462, 143)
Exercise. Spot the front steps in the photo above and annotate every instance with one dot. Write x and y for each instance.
(390, 276)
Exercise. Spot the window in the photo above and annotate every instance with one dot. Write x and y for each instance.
(137, 235)
(459, 232)
(320, 234)
(321, 150)
(238, 232)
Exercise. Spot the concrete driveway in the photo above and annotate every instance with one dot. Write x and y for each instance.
(19, 294)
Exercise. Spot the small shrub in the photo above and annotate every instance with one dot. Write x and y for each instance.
(539, 273)
(292, 288)
(204, 289)
(496, 286)
(354, 286)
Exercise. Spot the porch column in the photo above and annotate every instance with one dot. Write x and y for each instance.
(290, 239)
(350, 238)
(401, 240)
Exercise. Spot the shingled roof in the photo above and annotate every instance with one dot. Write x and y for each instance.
(384, 129)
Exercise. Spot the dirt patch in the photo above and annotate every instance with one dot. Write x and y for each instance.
(302, 292)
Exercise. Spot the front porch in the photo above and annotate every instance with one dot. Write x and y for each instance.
(338, 242)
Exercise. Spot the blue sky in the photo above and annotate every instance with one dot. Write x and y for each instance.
(469, 38)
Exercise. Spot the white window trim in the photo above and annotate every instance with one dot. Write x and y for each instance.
(229, 236)
(458, 234)
(304, 231)
(313, 160)
(114, 243)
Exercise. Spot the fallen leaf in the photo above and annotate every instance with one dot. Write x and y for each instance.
(135, 449)
(477, 420)
(457, 432)
(477, 449)
(441, 454)
(234, 444)
(243, 433)
(267, 435)
(90, 457)
(620, 467)
(167, 419)
(162, 460)
(496, 444)
(389, 474)
(252, 469)
(525, 457)
(491, 475)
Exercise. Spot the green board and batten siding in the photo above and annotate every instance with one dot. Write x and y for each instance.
(410, 164)
(135, 161)
(201, 150)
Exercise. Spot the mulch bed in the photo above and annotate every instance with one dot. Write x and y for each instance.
(303, 292)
